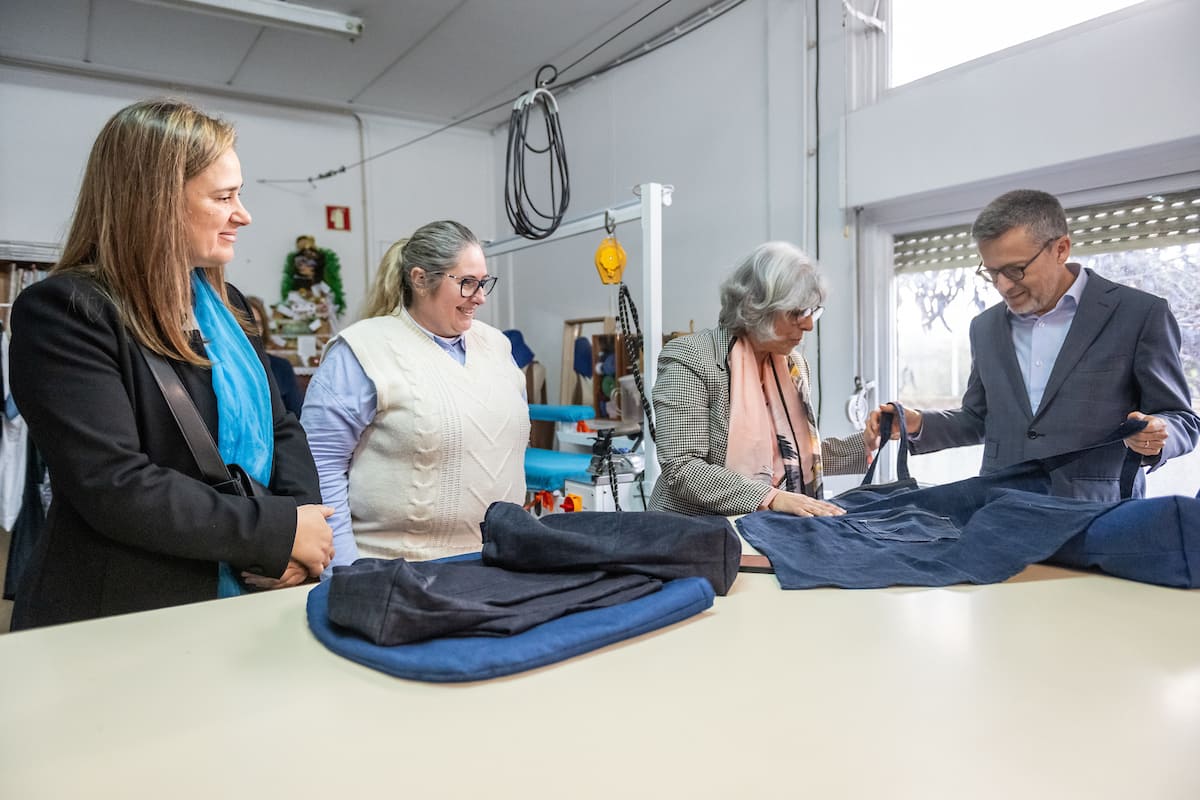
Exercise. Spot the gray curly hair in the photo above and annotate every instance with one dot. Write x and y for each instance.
(774, 277)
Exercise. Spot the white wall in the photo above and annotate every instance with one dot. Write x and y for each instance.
(1104, 102)
(720, 115)
(448, 176)
(50, 121)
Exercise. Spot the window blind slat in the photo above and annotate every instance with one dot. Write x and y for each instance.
(1141, 222)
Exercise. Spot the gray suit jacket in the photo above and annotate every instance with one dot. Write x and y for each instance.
(691, 412)
(1120, 355)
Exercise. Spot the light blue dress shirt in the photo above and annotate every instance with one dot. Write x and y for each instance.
(1038, 340)
(338, 406)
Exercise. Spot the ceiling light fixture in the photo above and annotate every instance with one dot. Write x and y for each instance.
(275, 13)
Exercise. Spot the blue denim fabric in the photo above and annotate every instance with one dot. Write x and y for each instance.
(979, 530)
(1154, 540)
(474, 658)
(957, 500)
(393, 601)
(1028, 476)
(660, 544)
(1000, 538)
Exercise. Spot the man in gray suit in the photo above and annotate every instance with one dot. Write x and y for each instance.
(1061, 362)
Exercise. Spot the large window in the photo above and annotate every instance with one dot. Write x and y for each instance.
(928, 36)
(1151, 243)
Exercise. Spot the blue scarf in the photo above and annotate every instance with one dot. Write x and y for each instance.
(245, 429)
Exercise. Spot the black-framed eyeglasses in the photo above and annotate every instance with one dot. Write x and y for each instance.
(797, 314)
(1014, 272)
(468, 286)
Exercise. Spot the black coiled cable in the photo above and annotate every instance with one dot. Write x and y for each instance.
(525, 216)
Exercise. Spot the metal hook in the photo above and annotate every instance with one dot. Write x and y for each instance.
(539, 82)
(610, 222)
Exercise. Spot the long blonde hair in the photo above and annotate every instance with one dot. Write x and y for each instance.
(130, 226)
(435, 247)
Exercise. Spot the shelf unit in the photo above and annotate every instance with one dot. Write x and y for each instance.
(602, 345)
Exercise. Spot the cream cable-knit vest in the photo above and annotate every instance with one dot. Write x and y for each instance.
(447, 440)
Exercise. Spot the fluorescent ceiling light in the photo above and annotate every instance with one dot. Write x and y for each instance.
(275, 13)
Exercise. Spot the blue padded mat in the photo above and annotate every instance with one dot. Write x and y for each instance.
(545, 413)
(549, 469)
(479, 658)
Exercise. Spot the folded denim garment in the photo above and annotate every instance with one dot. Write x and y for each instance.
(660, 544)
(473, 658)
(1153, 540)
(915, 546)
(393, 601)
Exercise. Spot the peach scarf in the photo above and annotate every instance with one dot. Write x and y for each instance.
(770, 439)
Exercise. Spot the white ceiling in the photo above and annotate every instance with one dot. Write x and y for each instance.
(435, 60)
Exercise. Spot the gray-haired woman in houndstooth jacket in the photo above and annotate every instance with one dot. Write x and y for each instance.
(736, 432)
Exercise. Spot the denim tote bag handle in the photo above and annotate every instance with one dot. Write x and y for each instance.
(1129, 468)
(886, 420)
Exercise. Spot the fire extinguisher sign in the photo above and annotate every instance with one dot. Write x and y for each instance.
(337, 218)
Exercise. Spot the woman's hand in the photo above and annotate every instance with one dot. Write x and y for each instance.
(294, 575)
(804, 506)
(912, 421)
(313, 545)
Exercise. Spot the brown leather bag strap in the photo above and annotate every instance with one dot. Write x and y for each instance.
(195, 432)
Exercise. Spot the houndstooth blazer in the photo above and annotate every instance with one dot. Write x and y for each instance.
(691, 412)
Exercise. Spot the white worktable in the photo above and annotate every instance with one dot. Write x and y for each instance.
(1055, 685)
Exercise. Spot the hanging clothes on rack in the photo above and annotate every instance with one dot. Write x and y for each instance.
(27, 529)
(12, 446)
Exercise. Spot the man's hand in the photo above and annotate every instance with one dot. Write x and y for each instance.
(1148, 442)
(912, 421)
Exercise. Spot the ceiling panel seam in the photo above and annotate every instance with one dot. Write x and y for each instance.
(408, 51)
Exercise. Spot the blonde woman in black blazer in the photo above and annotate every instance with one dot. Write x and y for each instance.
(764, 300)
(132, 526)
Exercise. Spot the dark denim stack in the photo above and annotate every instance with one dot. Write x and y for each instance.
(393, 601)
(546, 589)
(659, 544)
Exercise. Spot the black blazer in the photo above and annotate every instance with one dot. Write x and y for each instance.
(132, 526)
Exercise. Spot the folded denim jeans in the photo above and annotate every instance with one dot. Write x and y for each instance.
(393, 601)
(659, 544)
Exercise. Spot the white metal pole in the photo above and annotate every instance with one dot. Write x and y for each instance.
(652, 330)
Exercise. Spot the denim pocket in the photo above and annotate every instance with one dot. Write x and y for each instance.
(906, 524)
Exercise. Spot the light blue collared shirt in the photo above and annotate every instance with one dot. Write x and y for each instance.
(1038, 340)
(339, 405)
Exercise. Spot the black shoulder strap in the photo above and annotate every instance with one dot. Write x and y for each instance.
(195, 432)
(885, 434)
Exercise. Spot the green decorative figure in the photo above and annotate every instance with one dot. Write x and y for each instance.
(308, 266)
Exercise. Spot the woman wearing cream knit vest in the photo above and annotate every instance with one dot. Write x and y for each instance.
(417, 417)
